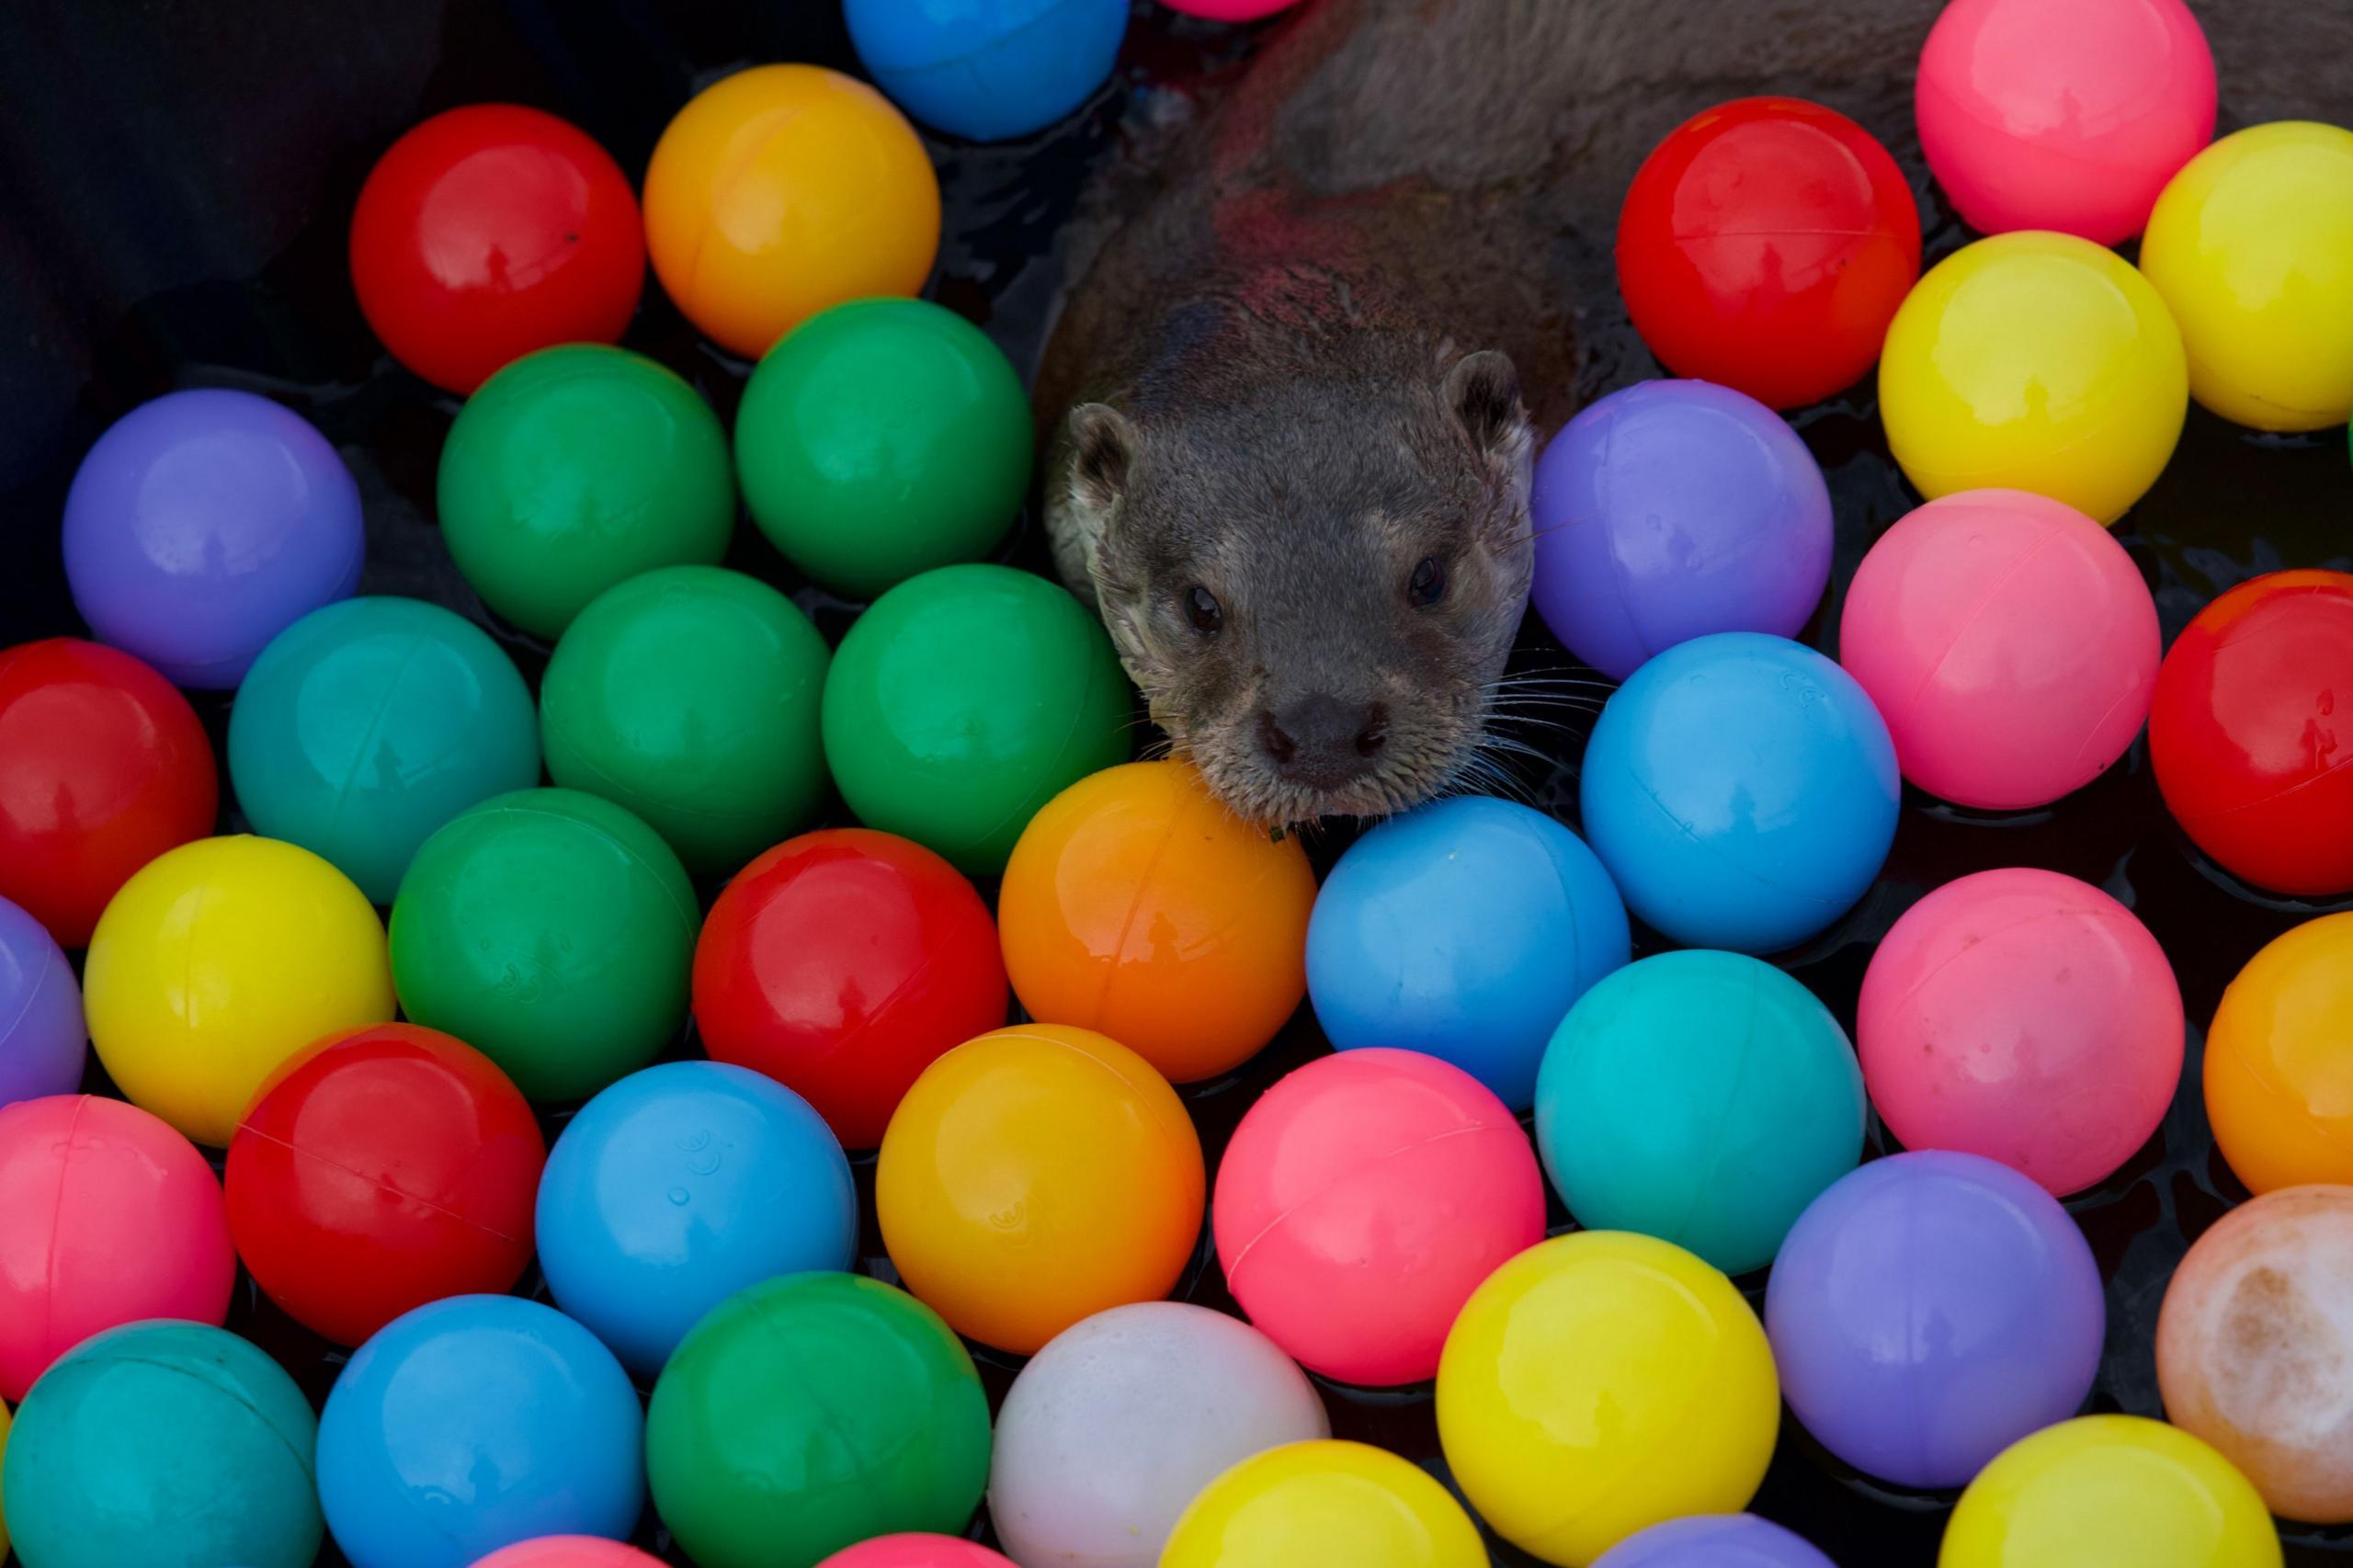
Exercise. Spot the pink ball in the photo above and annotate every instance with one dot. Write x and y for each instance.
(569, 1552)
(1230, 10)
(107, 1216)
(2025, 1017)
(916, 1550)
(2062, 114)
(1362, 1201)
(2008, 642)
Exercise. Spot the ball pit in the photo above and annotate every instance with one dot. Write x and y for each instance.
(679, 1185)
(1036, 1175)
(1672, 509)
(1324, 1501)
(916, 1550)
(569, 1552)
(380, 1170)
(204, 523)
(987, 74)
(1714, 1540)
(367, 724)
(2278, 1056)
(1764, 245)
(1631, 1146)
(43, 1044)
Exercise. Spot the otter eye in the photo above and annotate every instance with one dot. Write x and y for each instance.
(1203, 610)
(1427, 584)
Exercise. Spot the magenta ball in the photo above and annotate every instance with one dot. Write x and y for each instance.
(1713, 1541)
(1673, 510)
(2025, 1016)
(917, 1551)
(2008, 642)
(202, 525)
(1362, 1201)
(1231, 10)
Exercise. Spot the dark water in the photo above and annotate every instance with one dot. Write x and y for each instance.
(177, 179)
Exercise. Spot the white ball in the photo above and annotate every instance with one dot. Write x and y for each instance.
(1121, 1419)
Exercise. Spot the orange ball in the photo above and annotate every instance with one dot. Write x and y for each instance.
(1034, 1176)
(783, 190)
(2280, 1061)
(1137, 904)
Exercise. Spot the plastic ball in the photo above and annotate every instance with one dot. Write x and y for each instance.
(841, 963)
(553, 932)
(1325, 1502)
(1192, 960)
(2110, 1489)
(1930, 1310)
(2251, 247)
(1631, 1146)
(217, 962)
(1231, 10)
(569, 1552)
(1599, 1383)
(677, 1187)
(1463, 929)
(2244, 734)
(203, 523)
(690, 696)
(810, 1413)
(4, 1460)
(1714, 1540)
(382, 1169)
(2009, 642)
(103, 767)
(963, 702)
(884, 437)
(781, 190)
(43, 1045)
(369, 723)
(916, 1550)
(2073, 116)
(1036, 1175)
(2026, 1016)
(2034, 361)
(107, 1216)
(1672, 509)
(1742, 792)
(169, 1445)
(2279, 1059)
(472, 1424)
(1089, 1465)
(576, 468)
(1764, 245)
(1361, 1201)
(988, 72)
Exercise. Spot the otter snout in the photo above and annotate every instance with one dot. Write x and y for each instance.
(1322, 742)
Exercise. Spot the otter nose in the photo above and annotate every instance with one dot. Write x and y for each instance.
(1322, 741)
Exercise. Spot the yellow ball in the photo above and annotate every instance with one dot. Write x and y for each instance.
(1324, 1501)
(2252, 247)
(2034, 361)
(1601, 1383)
(218, 961)
(781, 190)
(2115, 1489)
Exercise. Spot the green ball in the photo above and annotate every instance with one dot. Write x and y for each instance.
(576, 468)
(690, 695)
(552, 931)
(165, 1443)
(810, 1411)
(966, 699)
(881, 438)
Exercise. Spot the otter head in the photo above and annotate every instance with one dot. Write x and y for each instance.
(1314, 579)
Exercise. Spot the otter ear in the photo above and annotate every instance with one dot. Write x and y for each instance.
(1103, 446)
(1481, 390)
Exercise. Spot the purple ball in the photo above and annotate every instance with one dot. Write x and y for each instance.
(1714, 1540)
(42, 1042)
(202, 525)
(1928, 1311)
(1672, 509)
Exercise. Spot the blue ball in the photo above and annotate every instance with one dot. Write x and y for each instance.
(472, 1424)
(1701, 1097)
(987, 69)
(679, 1185)
(1742, 791)
(1463, 929)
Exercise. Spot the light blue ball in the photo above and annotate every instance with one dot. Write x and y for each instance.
(474, 1423)
(679, 1185)
(1742, 791)
(987, 69)
(1701, 1097)
(1463, 929)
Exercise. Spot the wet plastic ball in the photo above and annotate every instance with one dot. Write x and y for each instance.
(1324, 1501)
(989, 72)
(2279, 1067)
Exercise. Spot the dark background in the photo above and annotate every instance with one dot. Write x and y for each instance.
(176, 182)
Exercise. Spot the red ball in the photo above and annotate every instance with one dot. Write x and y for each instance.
(1765, 246)
(103, 767)
(488, 232)
(841, 964)
(2252, 732)
(382, 1169)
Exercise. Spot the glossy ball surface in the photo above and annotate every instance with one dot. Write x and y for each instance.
(2279, 1068)
(1324, 1501)
(987, 72)
(1714, 1540)
(569, 1552)
(44, 1043)
(917, 1549)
